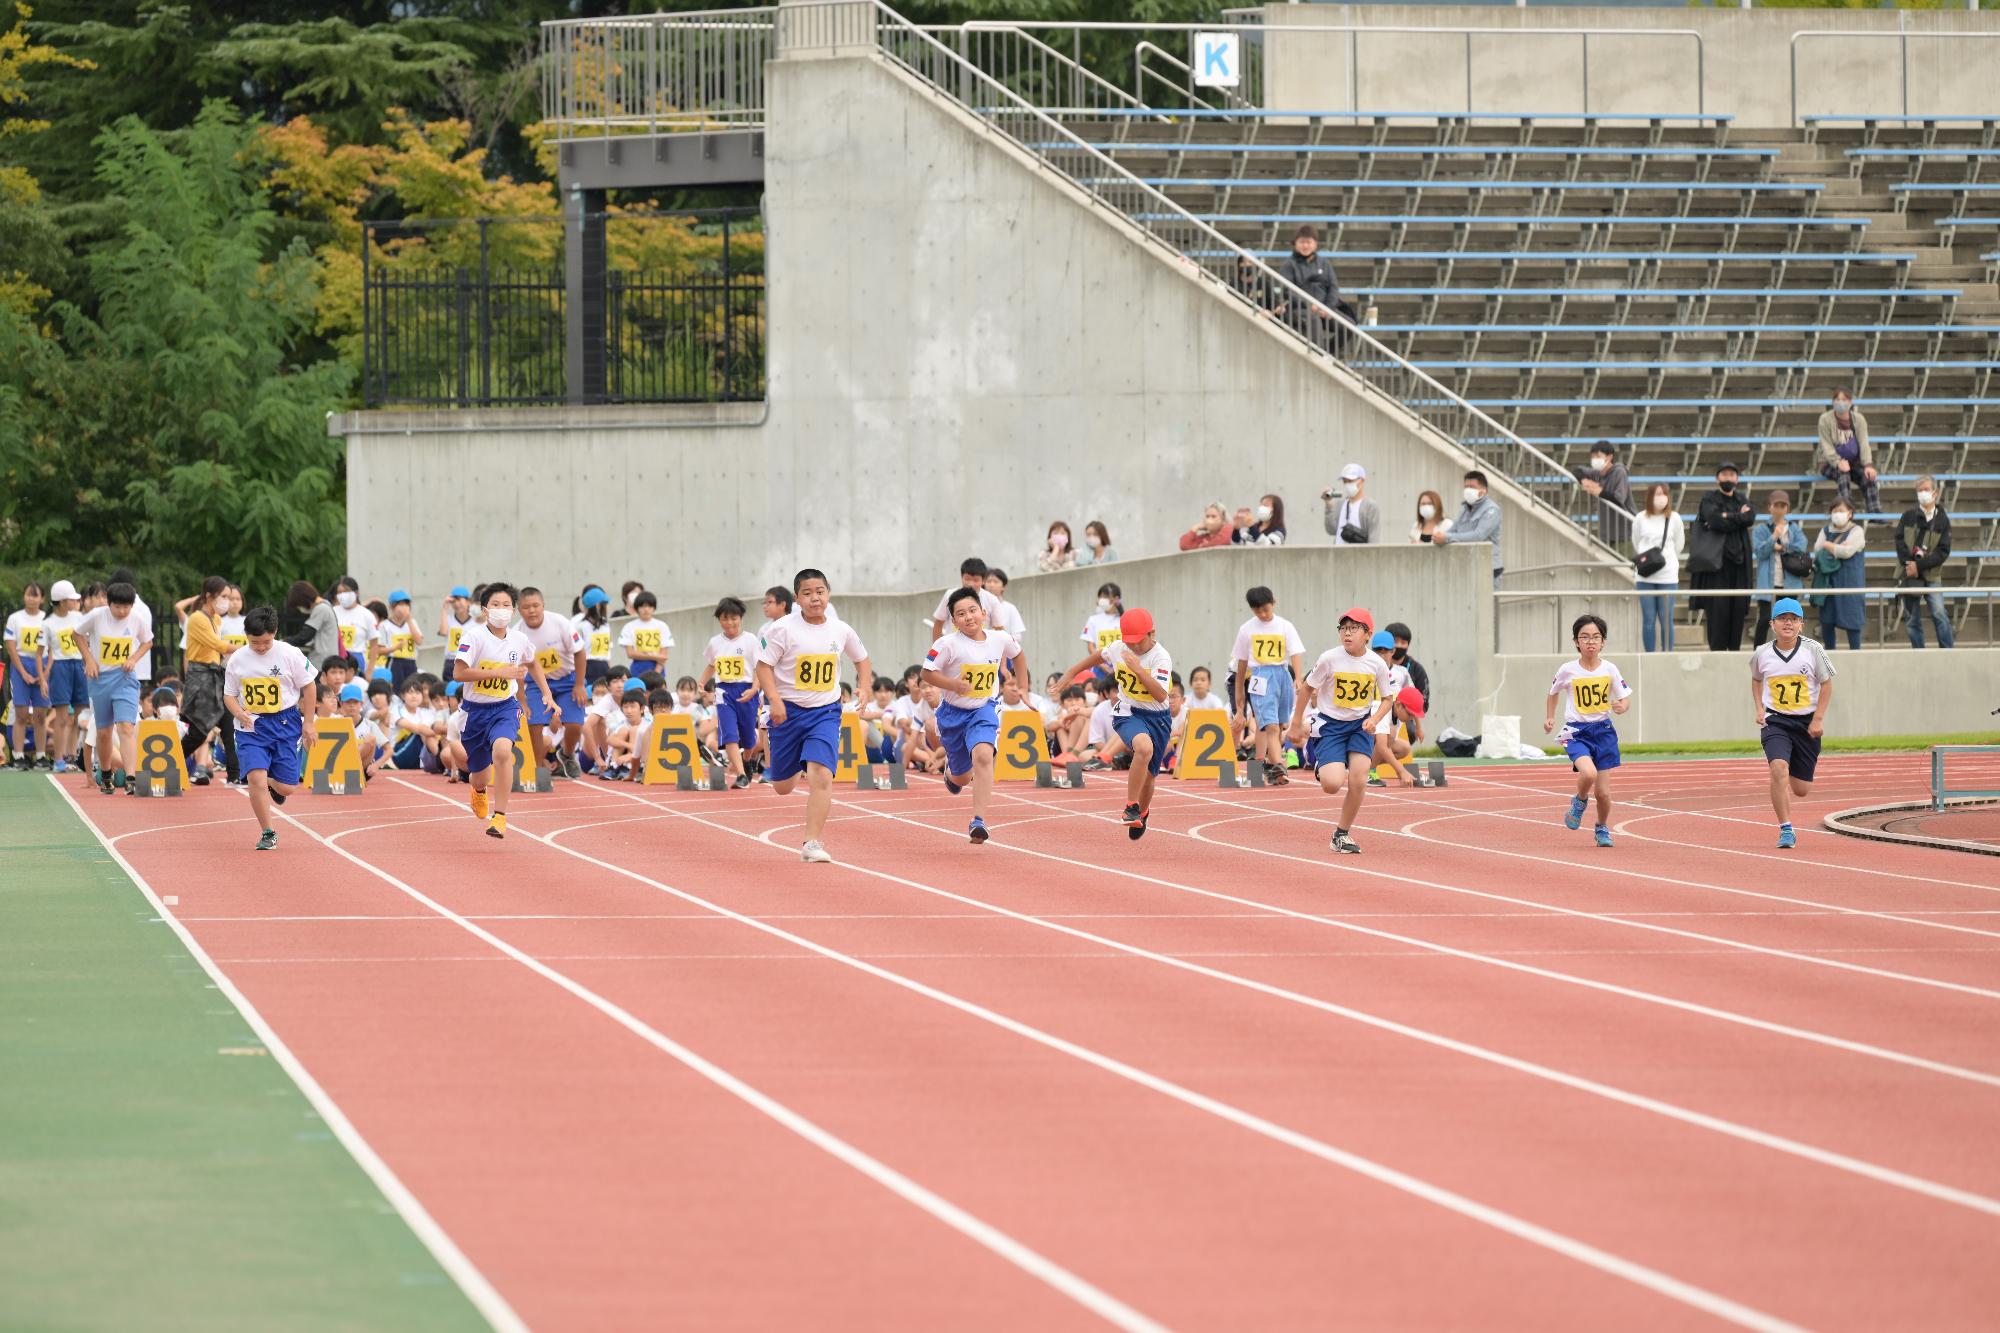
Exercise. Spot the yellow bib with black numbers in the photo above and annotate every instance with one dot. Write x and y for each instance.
(492, 689)
(818, 671)
(350, 637)
(1267, 649)
(550, 660)
(645, 641)
(115, 652)
(729, 670)
(1352, 689)
(66, 642)
(1131, 684)
(600, 644)
(261, 694)
(236, 640)
(1787, 694)
(403, 646)
(1591, 694)
(31, 640)
(1106, 637)
(451, 640)
(983, 677)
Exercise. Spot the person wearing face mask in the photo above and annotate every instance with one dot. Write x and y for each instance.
(1101, 627)
(1097, 548)
(1659, 535)
(308, 623)
(206, 653)
(1269, 528)
(1778, 548)
(1844, 455)
(1719, 557)
(1478, 520)
(1430, 520)
(1353, 519)
(1606, 479)
(1837, 561)
(1399, 634)
(1212, 530)
(357, 622)
(1056, 553)
(1923, 544)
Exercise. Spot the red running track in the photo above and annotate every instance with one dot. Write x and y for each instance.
(646, 1069)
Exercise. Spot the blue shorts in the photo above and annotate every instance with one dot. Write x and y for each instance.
(114, 697)
(736, 717)
(806, 736)
(1340, 739)
(1272, 708)
(487, 724)
(409, 752)
(30, 693)
(962, 728)
(1595, 741)
(539, 712)
(1155, 722)
(68, 686)
(1789, 739)
(272, 746)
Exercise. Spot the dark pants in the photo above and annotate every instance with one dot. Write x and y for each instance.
(1845, 481)
(225, 737)
(1723, 617)
(1828, 631)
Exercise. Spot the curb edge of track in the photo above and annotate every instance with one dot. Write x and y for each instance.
(1836, 823)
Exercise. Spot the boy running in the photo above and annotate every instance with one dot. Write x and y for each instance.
(1340, 686)
(268, 688)
(966, 664)
(1267, 654)
(493, 659)
(1591, 689)
(798, 670)
(1142, 671)
(1791, 688)
(562, 654)
(728, 662)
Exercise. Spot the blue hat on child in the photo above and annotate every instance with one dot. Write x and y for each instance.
(1382, 639)
(398, 596)
(381, 673)
(594, 597)
(451, 690)
(460, 590)
(1787, 606)
(637, 687)
(352, 693)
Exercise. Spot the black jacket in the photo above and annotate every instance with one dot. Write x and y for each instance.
(1928, 542)
(1732, 516)
(1314, 276)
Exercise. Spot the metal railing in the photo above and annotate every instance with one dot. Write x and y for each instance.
(1149, 80)
(1971, 610)
(1901, 37)
(1035, 70)
(657, 73)
(830, 25)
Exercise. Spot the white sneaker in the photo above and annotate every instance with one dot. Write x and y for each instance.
(813, 852)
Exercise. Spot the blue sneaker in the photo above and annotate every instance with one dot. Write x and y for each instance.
(1574, 819)
(1787, 838)
(955, 789)
(60, 766)
(977, 831)
(1603, 836)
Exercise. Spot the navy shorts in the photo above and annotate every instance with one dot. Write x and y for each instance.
(273, 746)
(736, 717)
(806, 736)
(1340, 739)
(400, 670)
(68, 686)
(1785, 738)
(1155, 722)
(566, 706)
(1595, 741)
(409, 752)
(487, 724)
(963, 728)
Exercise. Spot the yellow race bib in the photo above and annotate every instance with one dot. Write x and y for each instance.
(451, 640)
(261, 694)
(1108, 636)
(550, 660)
(818, 671)
(729, 670)
(66, 642)
(115, 652)
(1787, 694)
(600, 644)
(1131, 684)
(1591, 694)
(403, 646)
(1267, 649)
(492, 689)
(236, 640)
(1352, 689)
(983, 677)
(350, 637)
(31, 640)
(645, 641)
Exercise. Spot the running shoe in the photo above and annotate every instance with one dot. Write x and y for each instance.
(742, 782)
(1374, 781)
(1786, 838)
(1574, 819)
(1340, 842)
(118, 777)
(61, 766)
(976, 831)
(1603, 835)
(1094, 765)
(277, 796)
(1274, 776)
(570, 767)
(496, 827)
(954, 789)
(1133, 814)
(480, 806)
(1138, 830)
(269, 842)
(814, 854)
(201, 777)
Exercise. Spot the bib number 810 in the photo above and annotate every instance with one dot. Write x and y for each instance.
(817, 672)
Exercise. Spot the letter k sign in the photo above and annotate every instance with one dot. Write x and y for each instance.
(1216, 59)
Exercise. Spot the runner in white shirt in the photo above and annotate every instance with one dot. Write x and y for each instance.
(269, 689)
(798, 670)
(27, 664)
(966, 665)
(69, 689)
(1343, 685)
(1269, 658)
(1141, 674)
(1791, 687)
(971, 574)
(729, 661)
(1591, 690)
(493, 659)
(562, 654)
(115, 638)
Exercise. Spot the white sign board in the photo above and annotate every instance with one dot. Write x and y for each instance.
(1218, 59)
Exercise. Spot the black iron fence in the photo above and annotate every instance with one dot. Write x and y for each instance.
(477, 312)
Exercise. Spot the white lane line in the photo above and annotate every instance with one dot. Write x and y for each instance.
(484, 1298)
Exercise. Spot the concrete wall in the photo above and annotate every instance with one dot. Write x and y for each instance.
(961, 350)
(1746, 53)
(1704, 696)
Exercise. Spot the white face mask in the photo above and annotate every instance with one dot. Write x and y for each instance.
(1093, 539)
(1090, 697)
(1104, 606)
(1263, 513)
(1840, 520)
(499, 617)
(1600, 463)
(1352, 488)
(1427, 512)
(1925, 499)
(344, 599)
(1659, 504)
(1472, 495)
(168, 713)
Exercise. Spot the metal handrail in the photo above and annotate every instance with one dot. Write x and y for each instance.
(712, 57)
(1078, 73)
(1141, 73)
(1902, 36)
(829, 24)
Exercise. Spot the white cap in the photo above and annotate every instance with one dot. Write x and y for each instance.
(1354, 472)
(64, 591)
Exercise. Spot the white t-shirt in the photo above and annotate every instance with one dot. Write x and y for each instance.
(1007, 616)
(26, 635)
(1100, 629)
(1100, 723)
(648, 636)
(1399, 676)
(454, 727)
(1131, 694)
(1267, 643)
(267, 682)
(734, 660)
(605, 706)
(231, 630)
(1048, 708)
(454, 630)
(113, 642)
(1792, 680)
(422, 717)
(987, 603)
(480, 647)
(597, 640)
(1588, 693)
(1347, 686)
(357, 628)
(805, 658)
(693, 710)
(396, 641)
(979, 661)
(1211, 701)
(555, 645)
(62, 642)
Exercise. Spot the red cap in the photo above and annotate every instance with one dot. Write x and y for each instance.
(1412, 698)
(1359, 613)
(1135, 624)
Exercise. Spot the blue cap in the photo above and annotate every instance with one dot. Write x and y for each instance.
(637, 687)
(451, 690)
(352, 693)
(1787, 606)
(380, 673)
(398, 596)
(460, 590)
(594, 597)
(1382, 639)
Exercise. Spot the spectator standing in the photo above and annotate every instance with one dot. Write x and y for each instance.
(1354, 520)
(1606, 479)
(206, 654)
(1923, 544)
(1401, 657)
(1269, 529)
(1778, 549)
(1097, 548)
(1719, 557)
(1838, 563)
(1658, 534)
(1478, 520)
(1844, 455)
(1309, 270)
(1056, 553)
(1213, 530)
(1430, 524)
(309, 623)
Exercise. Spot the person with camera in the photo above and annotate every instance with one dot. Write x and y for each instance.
(1778, 549)
(1352, 520)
